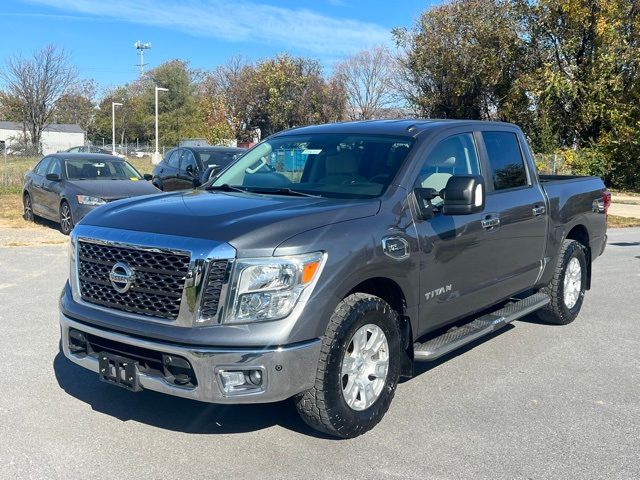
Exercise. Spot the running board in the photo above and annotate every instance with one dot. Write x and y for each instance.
(459, 336)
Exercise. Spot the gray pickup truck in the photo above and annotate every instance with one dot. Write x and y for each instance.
(325, 262)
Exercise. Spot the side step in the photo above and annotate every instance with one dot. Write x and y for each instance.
(459, 336)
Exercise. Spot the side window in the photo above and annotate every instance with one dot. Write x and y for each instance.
(505, 159)
(188, 161)
(173, 160)
(42, 167)
(54, 167)
(456, 155)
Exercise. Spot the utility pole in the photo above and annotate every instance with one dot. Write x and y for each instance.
(141, 47)
(113, 126)
(156, 155)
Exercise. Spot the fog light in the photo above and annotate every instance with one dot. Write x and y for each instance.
(230, 380)
(238, 382)
(255, 377)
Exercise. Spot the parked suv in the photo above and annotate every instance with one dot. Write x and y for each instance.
(325, 262)
(188, 167)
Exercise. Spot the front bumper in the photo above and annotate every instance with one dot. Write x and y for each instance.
(287, 370)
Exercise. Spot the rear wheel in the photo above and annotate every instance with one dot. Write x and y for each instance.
(358, 369)
(568, 285)
(28, 208)
(66, 219)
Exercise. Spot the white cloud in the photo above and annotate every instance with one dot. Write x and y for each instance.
(240, 21)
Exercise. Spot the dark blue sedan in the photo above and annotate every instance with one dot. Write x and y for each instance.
(64, 187)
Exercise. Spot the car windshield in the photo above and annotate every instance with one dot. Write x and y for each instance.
(217, 158)
(328, 165)
(91, 169)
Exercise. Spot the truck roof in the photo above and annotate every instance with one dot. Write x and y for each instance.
(409, 127)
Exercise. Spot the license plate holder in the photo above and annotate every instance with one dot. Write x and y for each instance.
(119, 371)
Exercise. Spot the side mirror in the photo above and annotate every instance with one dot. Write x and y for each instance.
(148, 177)
(53, 177)
(463, 195)
(423, 201)
(190, 170)
(209, 172)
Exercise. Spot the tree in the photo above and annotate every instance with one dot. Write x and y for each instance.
(463, 60)
(291, 92)
(38, 82)
(77, 105)
(367, 78)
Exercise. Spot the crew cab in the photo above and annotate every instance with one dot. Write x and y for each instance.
(325, 262)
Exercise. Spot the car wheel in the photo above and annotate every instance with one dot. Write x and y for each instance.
(568, 285)
(358, 369)
(28, 208)
(66, 219)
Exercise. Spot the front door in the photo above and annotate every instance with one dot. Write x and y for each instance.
(454, 270)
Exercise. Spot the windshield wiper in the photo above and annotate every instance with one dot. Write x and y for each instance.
(225, 187)
(285, 191)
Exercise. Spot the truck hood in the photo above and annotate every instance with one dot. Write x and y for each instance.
(254, 224)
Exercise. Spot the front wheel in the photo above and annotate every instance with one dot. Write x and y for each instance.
(358, 369)
(28, 208)
(66, 219)
(568, 285)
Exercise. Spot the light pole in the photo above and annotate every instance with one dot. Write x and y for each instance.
(113, 126)
(156, 156)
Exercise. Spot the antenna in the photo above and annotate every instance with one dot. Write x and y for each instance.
(141, 47)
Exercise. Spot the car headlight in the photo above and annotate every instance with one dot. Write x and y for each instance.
(87, 200)
(268, 288)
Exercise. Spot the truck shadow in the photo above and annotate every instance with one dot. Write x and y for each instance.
(173, 413)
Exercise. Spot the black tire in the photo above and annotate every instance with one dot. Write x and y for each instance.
(324, 407)
(557, 312)
(28, 208)
(66, 218)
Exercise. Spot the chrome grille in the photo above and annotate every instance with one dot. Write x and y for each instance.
(156, 290)
(213, 288)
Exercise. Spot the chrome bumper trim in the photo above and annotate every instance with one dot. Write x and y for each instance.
(288, 369)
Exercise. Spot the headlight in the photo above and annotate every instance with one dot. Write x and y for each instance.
(268, 288)
(87, 200)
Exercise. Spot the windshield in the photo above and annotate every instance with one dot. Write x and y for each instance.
(217, 159)
(90, 169)
(329, 165)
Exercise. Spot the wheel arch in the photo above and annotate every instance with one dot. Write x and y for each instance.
(391, 292)
(580, 234)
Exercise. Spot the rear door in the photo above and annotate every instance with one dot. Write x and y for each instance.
(169, 170)
(514, 247)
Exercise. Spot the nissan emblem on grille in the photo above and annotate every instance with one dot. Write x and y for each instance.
(139, 280)
(122, 277)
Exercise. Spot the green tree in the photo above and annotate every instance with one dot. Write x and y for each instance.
(463, 59)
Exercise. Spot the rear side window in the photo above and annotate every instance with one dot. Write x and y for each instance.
(505, 158)
(173, 160)
(41, 168)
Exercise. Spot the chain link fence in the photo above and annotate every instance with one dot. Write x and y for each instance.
(553, 164)
(16, 161)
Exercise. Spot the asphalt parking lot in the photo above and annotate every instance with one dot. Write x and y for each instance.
(533, 402)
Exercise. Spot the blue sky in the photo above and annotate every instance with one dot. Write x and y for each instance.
(100, 34)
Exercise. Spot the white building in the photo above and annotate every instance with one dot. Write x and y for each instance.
(55, 137)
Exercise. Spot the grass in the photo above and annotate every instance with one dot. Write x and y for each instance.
(615, 221)
(11, 211)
